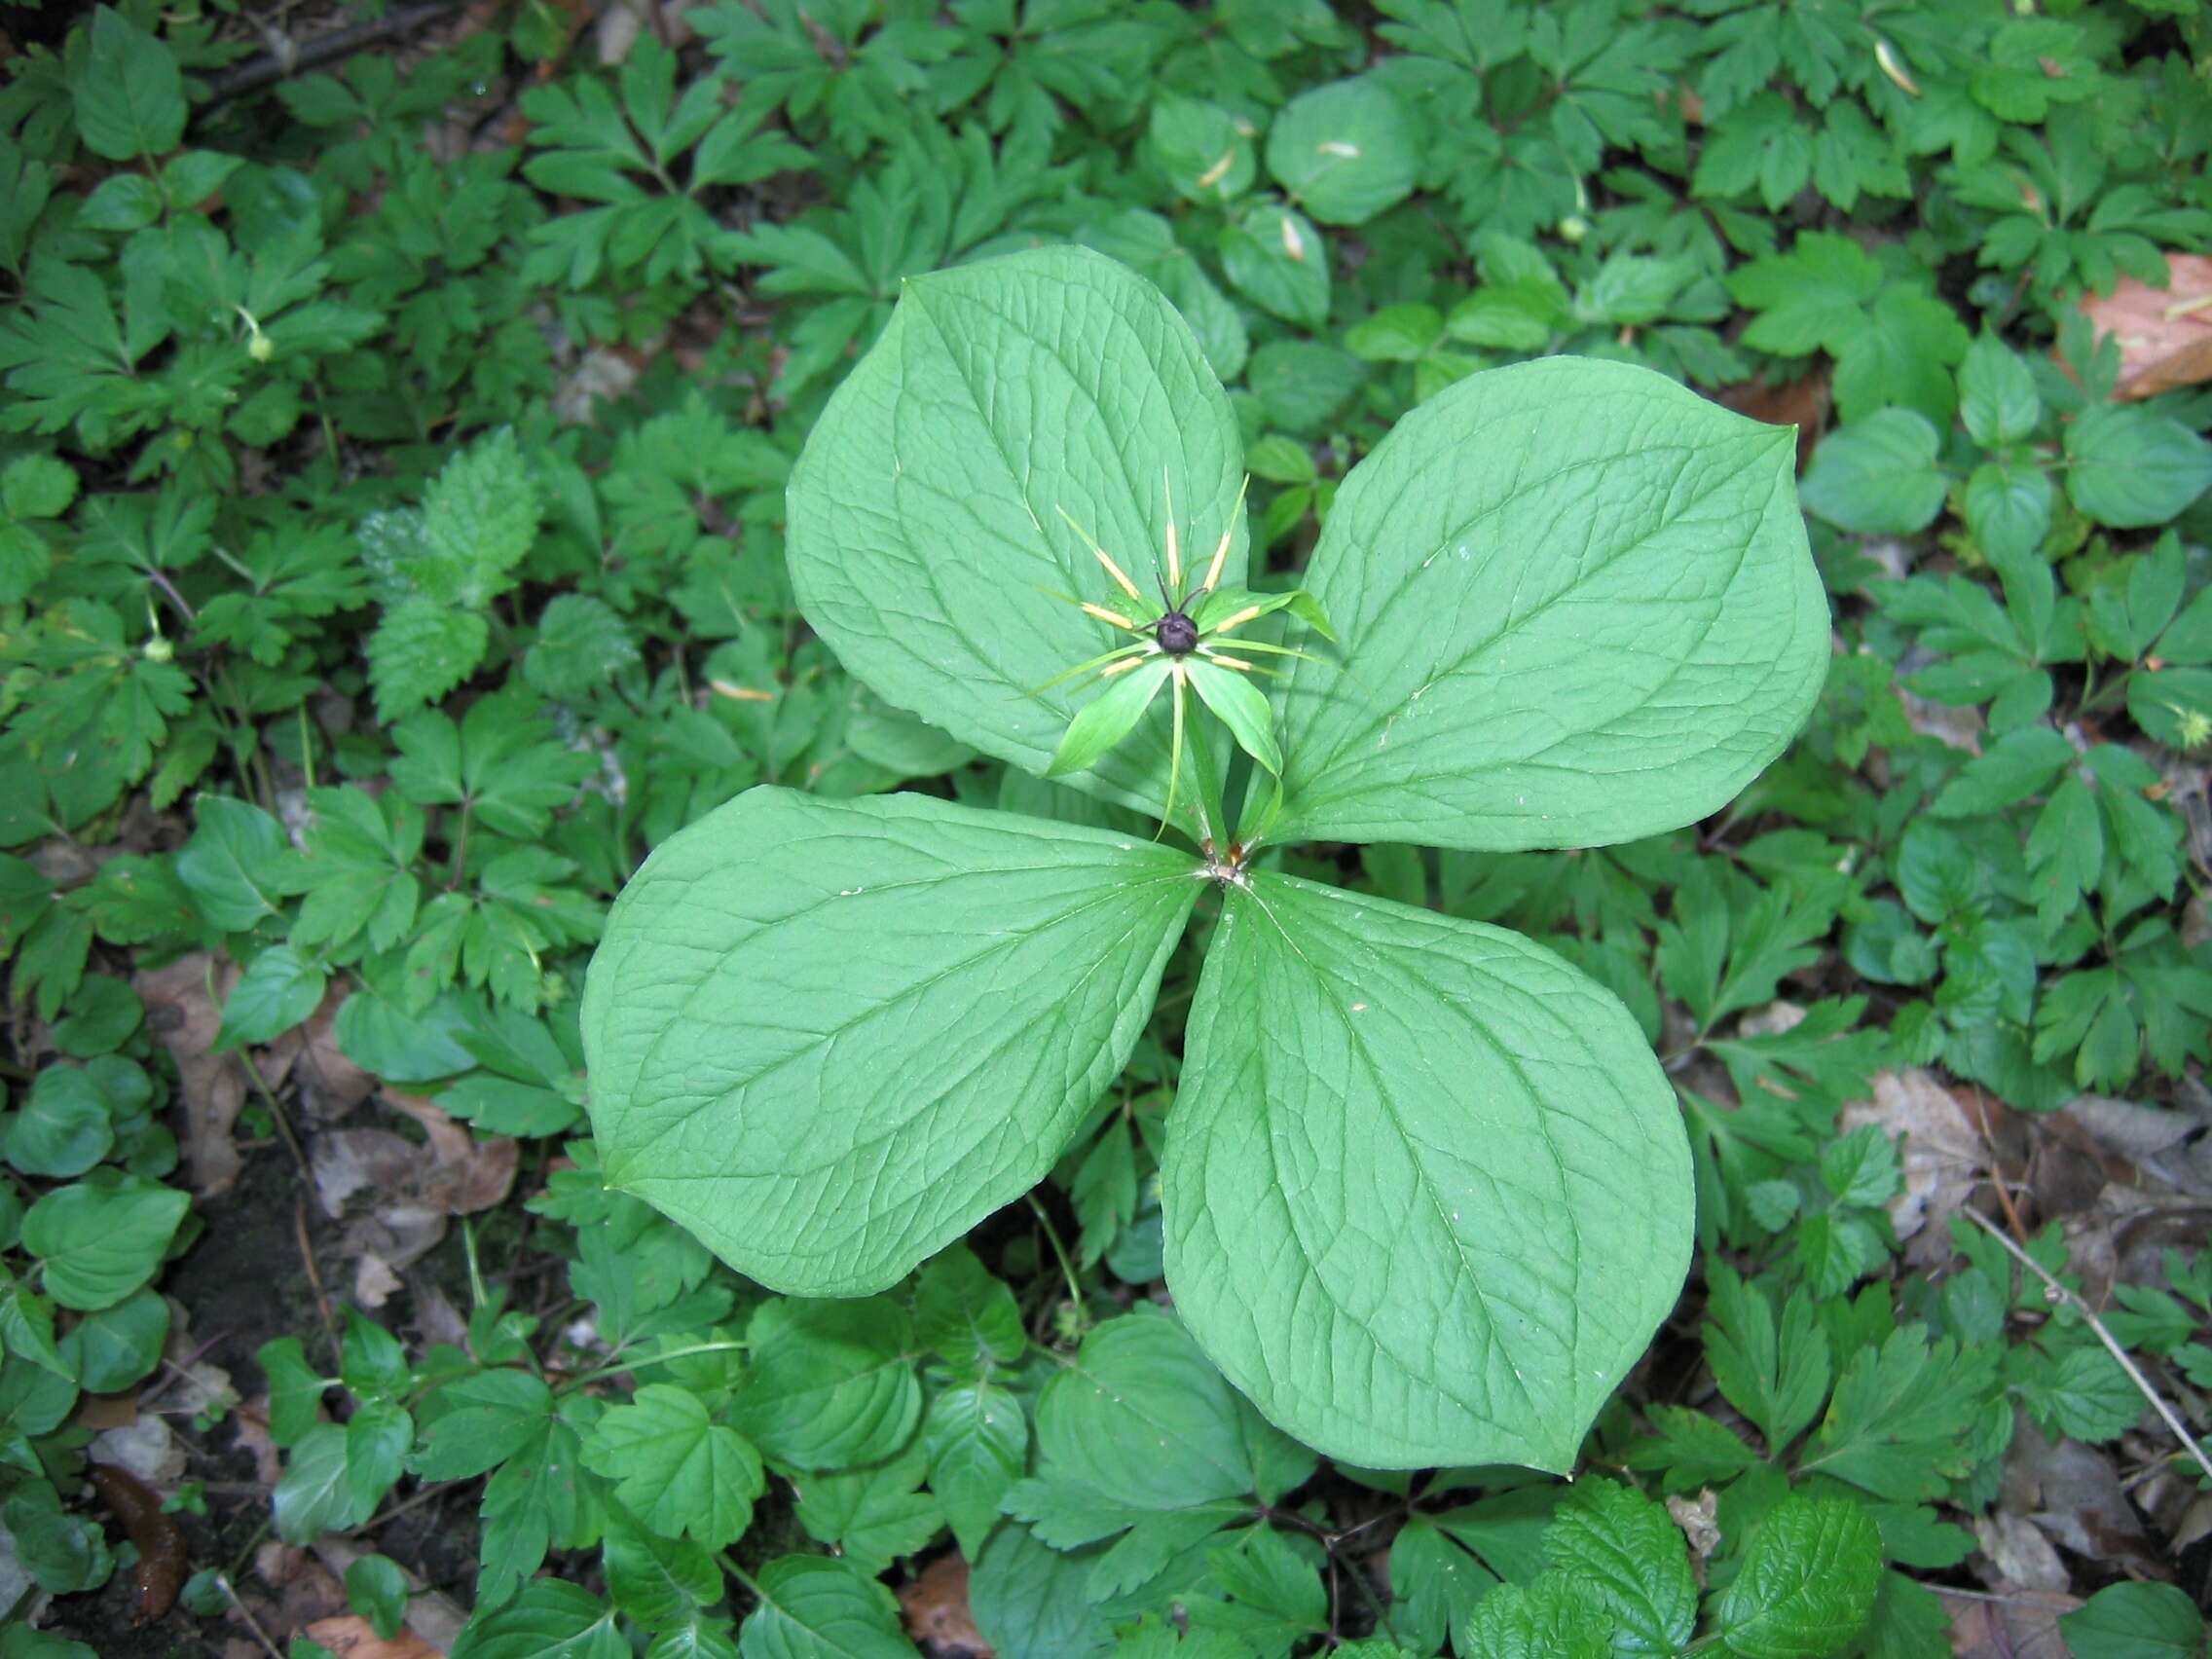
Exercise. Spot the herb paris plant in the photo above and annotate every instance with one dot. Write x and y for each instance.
(1427, 1194)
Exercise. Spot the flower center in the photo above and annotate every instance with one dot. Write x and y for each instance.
(1177, 634)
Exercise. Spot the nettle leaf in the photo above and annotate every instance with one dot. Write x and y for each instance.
(1577, 607)
(830, 1037)
(927, 539)
(1427, 1192)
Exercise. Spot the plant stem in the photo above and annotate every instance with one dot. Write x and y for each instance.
(613, 1367)
(2127, 1364)
(1052, 1234)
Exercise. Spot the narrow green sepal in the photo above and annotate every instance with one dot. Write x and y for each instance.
(1242, 708)
(1108, 718)
(1218, 608)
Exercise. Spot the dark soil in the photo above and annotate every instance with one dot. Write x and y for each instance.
(241, 1281)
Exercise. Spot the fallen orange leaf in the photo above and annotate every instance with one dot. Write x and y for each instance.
(2165, 334)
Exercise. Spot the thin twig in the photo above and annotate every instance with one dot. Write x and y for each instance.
(274, 66)
(315, 1279)
(2134, 1372)
(223, 1582)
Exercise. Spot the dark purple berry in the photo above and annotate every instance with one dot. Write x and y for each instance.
(1177, 634)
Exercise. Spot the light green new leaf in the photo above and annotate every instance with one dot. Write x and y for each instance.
(1576, 608)
(926, 536)
(830, 1037)
(1427, 1192)
(678, 1470)
(1807, 1583)
(815, 1608)
(976, 1438)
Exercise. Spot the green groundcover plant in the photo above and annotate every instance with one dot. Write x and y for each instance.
(1426, 1190)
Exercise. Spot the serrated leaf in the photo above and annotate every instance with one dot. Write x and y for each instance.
(676, 1468)
(1807, 1582)
(1480, 1094)
(1671, 615)
(758, 1021)
(813, 1607)
(831, 1384)
(101, 1239)
(1625, 1552)
(1878, 476)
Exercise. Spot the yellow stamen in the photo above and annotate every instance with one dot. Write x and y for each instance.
(1124, 666)
(1239, 620)
(742, 693)
(1113, 569)
(1105, 615)
(1214, 174)
(1229, 661)
(1174, 547)
(1220, 553)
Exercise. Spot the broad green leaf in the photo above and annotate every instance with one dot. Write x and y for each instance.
(376, 1588)
(2134, 1621)
(965, 1316)
(1034, 1602)
(976, 1439)
(677, 1470)
(926, 537)
(1345, 152)
(1427, 1192)
(1576, 608)
(547, 1620)
(1996, 395)
(129, 92)
(1807, 1581)
(102, 1239)
(873, 1516)
(1142, 1425)
(815, 1608)
(277, 991)
(64, 1126)
(656, 1578)
(1878, 476)
(830, 1037)
(831, 1384)
(1278, 260)
(227, 862)
(109, 1351)
(315, 1494)
(2128, 468)
(1204, 150)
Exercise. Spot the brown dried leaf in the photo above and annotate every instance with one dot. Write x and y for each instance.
(374, 1281)
(2017, 1554)
(184, 1011)
(352, 1636)
(2165, 334)
(1941, 1151)
(328, 1084)
(2020, 1624)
